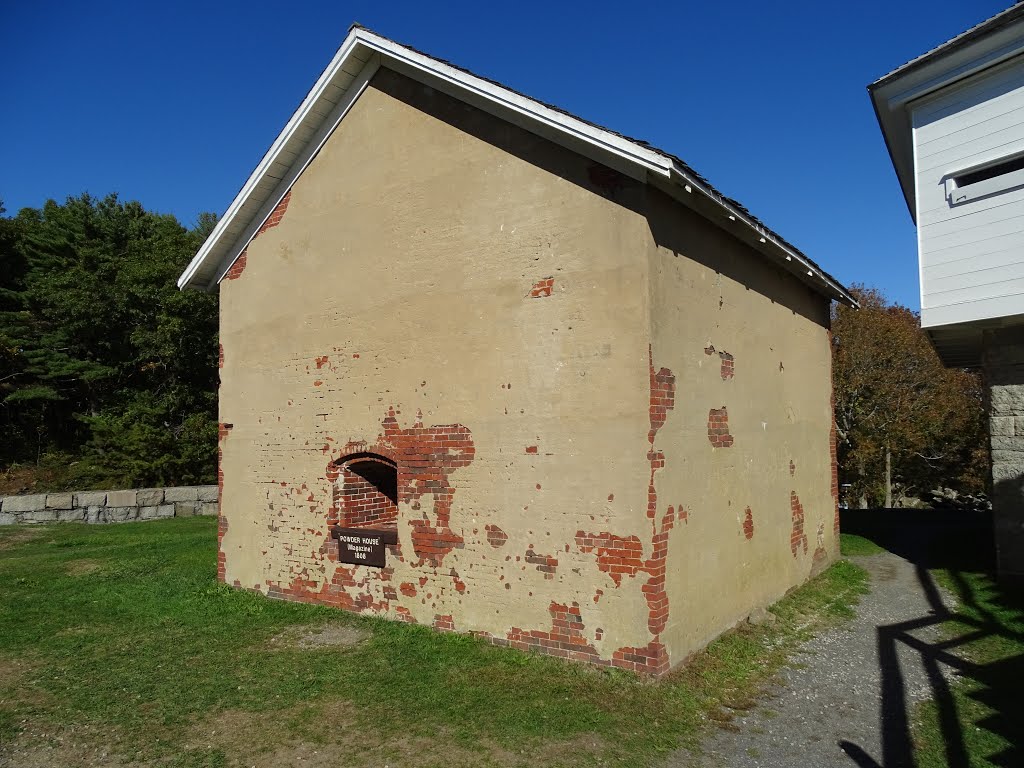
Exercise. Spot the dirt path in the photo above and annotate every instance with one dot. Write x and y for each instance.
(848, 697)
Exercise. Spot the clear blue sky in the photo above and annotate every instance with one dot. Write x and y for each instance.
(173, 104)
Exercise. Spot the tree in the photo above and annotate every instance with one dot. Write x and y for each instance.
(109, 364)
(904, 422)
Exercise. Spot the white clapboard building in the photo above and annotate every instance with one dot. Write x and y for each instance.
(953, 120)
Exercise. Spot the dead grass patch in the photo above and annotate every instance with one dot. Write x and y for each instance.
(82, 567)
(16, 535)
(78, 746)
(16, 685)
(330, 733)
(324, 636)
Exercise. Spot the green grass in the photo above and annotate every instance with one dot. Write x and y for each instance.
(120, 636)
(852, 545)
(982, 717)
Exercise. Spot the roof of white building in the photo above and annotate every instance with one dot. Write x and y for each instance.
(985, 45)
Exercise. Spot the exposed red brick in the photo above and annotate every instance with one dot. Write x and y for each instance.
(223, 430)
(336, 592)
(651, 659)
(542, 288)
(531, 449)
(444, 623)
(273, 220)
(622, 557)
(276, 215)
(546, 564)
(820, 559)
(237, 268)
(220, 355)
(407, 589)
(368, 492)
(617, 556)
(321, 361)
(718, 428)
(797, 537)
(427, 456)
(748, 524)
(833, 444)
(727, 370)
(404, 614)
(566, 638)
(495, 536)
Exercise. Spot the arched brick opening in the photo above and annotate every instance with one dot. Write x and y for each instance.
(366, 491)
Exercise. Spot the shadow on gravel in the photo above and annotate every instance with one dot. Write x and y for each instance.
(960, 543)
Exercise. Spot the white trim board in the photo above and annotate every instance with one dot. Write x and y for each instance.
(345, 78)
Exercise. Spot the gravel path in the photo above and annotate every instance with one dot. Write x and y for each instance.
(847, 699)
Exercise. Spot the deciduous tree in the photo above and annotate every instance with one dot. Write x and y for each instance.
(906, 424)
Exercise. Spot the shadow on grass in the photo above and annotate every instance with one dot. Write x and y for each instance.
(982, 642)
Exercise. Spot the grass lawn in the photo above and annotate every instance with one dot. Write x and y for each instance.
(980, 720)
(852, 545)
(119, 647)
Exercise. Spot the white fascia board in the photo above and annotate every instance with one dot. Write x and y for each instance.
(361, 44)
(302, 161)
(650, 159)
(301, 114)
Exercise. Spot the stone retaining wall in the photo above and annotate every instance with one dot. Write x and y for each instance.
(109, 506)
(1004, 374)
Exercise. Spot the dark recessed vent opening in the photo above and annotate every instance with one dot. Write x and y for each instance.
(381, 477)
(991, 172)
(368, 491)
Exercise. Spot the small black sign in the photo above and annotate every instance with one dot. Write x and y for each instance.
(363, 546)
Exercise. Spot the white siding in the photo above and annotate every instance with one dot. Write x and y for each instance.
(972, 254)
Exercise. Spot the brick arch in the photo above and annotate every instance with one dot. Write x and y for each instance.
(365, 490)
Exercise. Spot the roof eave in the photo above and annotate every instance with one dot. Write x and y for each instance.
(766, 241)
(230, 237)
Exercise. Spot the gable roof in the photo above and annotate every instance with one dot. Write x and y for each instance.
(985, 45)
(348, 74)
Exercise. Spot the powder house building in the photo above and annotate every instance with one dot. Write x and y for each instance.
(490, 368)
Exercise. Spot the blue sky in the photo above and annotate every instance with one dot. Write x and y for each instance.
(174, 104)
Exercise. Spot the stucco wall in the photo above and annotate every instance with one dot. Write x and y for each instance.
(747, 445)
(456, 294)
(432, 270)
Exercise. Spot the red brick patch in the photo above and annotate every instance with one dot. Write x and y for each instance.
(727, 370)
(542, 288)
(718, 428)
(495, 536)
(748, 524)
(546, 564)
(237, 268)
(276, 215)
(566, 638)
(797, 537)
